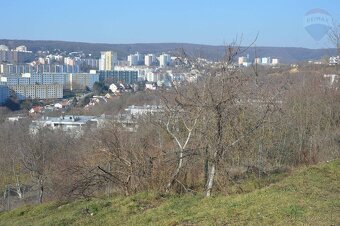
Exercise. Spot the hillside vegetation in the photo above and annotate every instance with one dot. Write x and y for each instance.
(309, 196)
(285, 54)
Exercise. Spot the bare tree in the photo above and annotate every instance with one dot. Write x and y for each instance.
(179, 121)
(223, 93)
(38, 152)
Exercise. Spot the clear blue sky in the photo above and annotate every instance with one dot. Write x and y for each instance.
(279, 22)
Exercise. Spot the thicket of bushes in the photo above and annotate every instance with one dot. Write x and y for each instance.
(249, 130)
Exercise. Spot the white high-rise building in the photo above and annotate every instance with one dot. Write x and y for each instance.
(149, 59)
(265, 60)
(164, 60)
(133, 59)
(257, 60)
(152, 77)
(139, 57)
(4, 48)
(275, 61)
(108, 60)
(242, 60)
(21, 49)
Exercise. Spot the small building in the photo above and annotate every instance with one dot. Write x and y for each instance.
(58, 105)
(142, 110)
(150, 86)
(36, 109)
(67, 123)
(14, 119)
(334, 60)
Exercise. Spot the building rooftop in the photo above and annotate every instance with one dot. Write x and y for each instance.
(68, 119)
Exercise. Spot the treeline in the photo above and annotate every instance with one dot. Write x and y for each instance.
(286, 54)
(208, 134)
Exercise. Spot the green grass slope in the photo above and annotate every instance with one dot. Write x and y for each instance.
(310, 196)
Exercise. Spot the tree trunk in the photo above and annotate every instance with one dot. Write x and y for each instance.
(41, 194)
(175, 174)
(206, 165)
(210, 181)
(17, 183)
(218, 153)
(41, 191)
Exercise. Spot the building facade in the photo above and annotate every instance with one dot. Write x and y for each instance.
(275, 61)
(108, 60)
(71, 81)
(149, 59)
(133, 60)
(265, 60)
(4, 93)
(52, 91)
(72, 124)
(80, 81)
(8, 69)
(164, 60)
(18, 55)
(126, 77)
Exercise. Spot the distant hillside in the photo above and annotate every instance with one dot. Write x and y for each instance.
(308, 197)
(285, 54)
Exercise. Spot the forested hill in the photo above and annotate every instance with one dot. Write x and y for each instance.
(285, 54)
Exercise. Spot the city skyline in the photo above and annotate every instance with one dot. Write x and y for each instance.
(201, 22)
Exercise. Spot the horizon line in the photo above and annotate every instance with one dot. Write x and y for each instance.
(146, 43)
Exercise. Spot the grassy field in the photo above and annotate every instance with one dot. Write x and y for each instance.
(310, 196)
